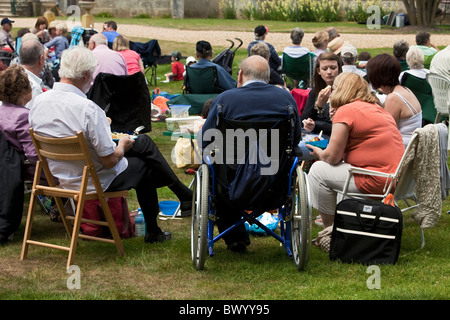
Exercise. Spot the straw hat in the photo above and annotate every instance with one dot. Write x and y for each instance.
(336, 45)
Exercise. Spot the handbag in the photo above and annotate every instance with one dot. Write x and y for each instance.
(366, 232)
(119, 211)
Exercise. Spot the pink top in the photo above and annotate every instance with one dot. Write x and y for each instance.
(132, 59)
(109, 61)
(374, 142)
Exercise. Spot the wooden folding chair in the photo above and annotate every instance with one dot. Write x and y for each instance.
(72, 148)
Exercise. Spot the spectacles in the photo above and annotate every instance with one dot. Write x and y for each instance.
(237, 73)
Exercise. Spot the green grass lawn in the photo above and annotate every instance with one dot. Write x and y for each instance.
(165, 272)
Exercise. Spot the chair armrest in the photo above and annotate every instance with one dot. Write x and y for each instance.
(353, 170)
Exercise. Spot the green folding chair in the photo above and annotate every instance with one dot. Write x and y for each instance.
(299, 69)
(201, 80)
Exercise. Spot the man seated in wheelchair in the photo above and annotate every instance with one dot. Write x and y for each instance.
(262, 184)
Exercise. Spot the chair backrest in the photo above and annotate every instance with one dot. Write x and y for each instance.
(301, 68)
(440, 87)
(404, 180)
(72, 148)
(254, 145)
(202, 80)
(128, 99)
(149, 51)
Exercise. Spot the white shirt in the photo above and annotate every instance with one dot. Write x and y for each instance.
(62, 112)
(353, 69)
(441, 63)
(36, 87)
(419, 73)
(296, 51)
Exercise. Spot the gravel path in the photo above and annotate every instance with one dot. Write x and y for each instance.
(278, 40)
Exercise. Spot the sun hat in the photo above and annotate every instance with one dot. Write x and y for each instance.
(336, 45)
(349, 51)
(190, 59)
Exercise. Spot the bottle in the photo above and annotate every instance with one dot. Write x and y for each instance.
(139, 227)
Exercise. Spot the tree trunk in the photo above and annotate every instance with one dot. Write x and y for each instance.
(421, 12)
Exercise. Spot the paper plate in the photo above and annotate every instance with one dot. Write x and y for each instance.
(132, 136)
(322, 144)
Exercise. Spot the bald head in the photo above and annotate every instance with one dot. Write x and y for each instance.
(254, 68)
(98, 39)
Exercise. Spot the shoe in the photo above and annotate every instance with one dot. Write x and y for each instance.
(165, 81)
(160, 237)
(185, 208)
(238, 247)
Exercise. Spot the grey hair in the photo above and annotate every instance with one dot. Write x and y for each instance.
(297, 35)
(260, 49)
(415, 58)
(255, 68)
(30, 52)
(400, 48)
(76, 61)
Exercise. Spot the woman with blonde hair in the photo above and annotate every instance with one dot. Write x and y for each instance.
(320, 42)
(134, 62)
(363, 135)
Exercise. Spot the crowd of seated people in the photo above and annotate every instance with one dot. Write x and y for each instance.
(339, 102)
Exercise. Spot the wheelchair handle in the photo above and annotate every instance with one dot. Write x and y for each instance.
(219, 114)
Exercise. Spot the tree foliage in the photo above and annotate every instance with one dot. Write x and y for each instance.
(422, 12)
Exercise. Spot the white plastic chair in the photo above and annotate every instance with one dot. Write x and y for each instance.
(441, 95)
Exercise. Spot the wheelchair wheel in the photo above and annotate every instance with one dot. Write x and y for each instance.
(199, 223)
(301, 223)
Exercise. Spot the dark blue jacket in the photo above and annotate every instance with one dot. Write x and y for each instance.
(256, 101)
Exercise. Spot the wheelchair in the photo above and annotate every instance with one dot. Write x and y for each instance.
(292, 198)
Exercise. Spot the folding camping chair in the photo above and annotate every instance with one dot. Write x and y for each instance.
(149, 52)
(200, 85)
(299, 69)
(69, 149)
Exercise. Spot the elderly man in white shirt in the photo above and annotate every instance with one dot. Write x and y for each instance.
(441, 63)
(132, 163)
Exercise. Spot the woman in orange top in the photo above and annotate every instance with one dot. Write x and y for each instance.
(363, 135)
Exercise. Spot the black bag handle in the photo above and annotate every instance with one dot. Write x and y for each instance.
(369, 227)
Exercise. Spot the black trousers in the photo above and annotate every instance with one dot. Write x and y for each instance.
(227, 215)
(147, 170)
